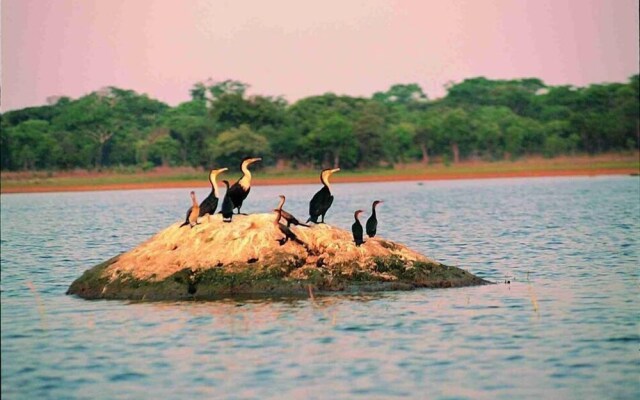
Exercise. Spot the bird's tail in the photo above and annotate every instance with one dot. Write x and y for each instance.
(301, 224)
(183, 224)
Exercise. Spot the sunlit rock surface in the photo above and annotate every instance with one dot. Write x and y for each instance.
(244, 258)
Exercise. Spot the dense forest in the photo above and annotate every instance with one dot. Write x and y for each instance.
(477, 119)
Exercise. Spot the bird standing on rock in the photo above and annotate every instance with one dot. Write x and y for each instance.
(192, 212)
(322, 200)
(372, 222)
(209, 205)
(288, 217)
(356, 229)
(288, 233)
(227, 205)
(240, 190)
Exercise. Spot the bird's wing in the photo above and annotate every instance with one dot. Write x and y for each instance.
(237, 193)
(371, 223)
(315, 203)
(287, 215)
(208, 205)
(329, 201)
(356, 229)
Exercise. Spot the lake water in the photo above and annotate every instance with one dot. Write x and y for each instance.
(567, 326)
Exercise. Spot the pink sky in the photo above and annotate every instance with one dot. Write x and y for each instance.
(299, 48)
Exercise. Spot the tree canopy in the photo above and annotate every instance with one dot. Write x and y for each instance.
(479, 118)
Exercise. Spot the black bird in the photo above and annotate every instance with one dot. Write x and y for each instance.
(227, 205)
(209, 205)
(372, 222)
(288, 217)
(288, 233)
(356, 229)
(322, 200)
(240, 190)
(192, 212)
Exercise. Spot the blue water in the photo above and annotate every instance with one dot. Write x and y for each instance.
(567, 326)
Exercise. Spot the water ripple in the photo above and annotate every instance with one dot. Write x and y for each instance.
(566, 326)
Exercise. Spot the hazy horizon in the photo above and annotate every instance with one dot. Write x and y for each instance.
(282, 48)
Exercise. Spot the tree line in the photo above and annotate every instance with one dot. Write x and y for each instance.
(479, 118)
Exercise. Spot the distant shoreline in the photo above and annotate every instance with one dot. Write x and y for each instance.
(268, 181)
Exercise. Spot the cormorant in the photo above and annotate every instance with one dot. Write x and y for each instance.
(192, 212)
(321, 201)
(240, 190)
(227, 205)
(356, 229)
(288, 217)
(209, 205)
(288, 233)
(372, 222)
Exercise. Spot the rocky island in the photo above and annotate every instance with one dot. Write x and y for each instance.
(245, 258)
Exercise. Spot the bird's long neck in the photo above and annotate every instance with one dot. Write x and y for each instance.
(278, 216)
(194, 203)
(214, 185)
(325, 181)
(245, 181)
(373, 209)
(281, 203)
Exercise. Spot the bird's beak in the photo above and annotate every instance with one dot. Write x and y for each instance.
(335, 170)
(255, 159)
(221, 170)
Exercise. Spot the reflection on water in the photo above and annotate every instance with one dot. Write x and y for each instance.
(565, 327)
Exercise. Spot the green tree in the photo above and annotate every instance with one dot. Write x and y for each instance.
(479, 117)
(32, 146)
(399, 141)
(198, 92)
(427, 126)
(401, 94)
(456, 132)
(227, 87)
(333, 141)
(110, 114)
(231, 110)
(518, 95)
(5, 145)
(369, 129)
(163, 149)
(235, 144)
(284, 143)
